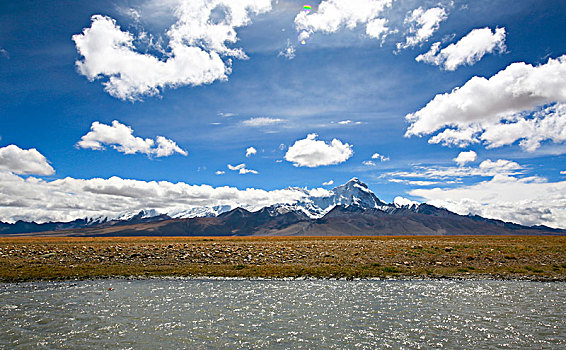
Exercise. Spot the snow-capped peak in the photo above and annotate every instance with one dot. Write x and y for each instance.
(354, 192)
(314, 203)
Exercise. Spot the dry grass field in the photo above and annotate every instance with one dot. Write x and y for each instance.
(499, 257)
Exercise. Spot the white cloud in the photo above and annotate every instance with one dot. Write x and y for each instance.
(241, 169)
(381, 157)
(34, 199)
(288, 52)
(485, 168)
(414, 182)
(563, 172)
(262, 121)
(528, 201)
(521, 102)
(250, 151)
(166, 147)
(248, 171)
(237, 167)
(333, 15)
(197, 43)
(403, 202)
(348, 122)
(548, 123)
(24, 162)
(377, 28)
(375, 156)
(466, 157)
(423, 24)
(328, 183)
(121, 138)
(500, 166)
(469, 50)
(311, 152)
(220, 172)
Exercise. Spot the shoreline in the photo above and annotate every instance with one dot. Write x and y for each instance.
(399, 278)
(522, 258)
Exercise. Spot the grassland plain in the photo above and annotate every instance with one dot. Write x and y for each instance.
(493, 257)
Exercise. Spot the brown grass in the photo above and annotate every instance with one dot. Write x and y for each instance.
(503, 257)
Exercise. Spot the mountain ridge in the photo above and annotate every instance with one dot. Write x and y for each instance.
(348, 209)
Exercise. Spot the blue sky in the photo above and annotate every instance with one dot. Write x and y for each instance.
(344, 83)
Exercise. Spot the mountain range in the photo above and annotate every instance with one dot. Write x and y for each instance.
(349, 209)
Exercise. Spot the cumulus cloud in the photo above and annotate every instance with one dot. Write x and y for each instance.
(34, 199)
(423, 24)
(375, 157)
(380, 157)
(333, 15)
(377, 28)
(24, 161)
(220, 172)
(404, 202)
(121, 138)
(328, 183)
(469, 50)
(197, 45)
(262, 121)
(522, 102)
(465, 157)
(241, 169)
(250, 151)
(310, 152)
(528, 201)
(166, 147)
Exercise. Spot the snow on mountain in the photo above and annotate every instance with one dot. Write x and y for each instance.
(200, 212)
(353, 192)
(142, 214)
(314, 203)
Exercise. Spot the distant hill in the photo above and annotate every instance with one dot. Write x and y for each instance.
(349, 209)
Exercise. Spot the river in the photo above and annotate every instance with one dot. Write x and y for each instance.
(282, 314)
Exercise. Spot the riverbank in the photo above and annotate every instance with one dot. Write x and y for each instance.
(489, 257)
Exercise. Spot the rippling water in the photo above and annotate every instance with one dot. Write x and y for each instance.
(279, 314)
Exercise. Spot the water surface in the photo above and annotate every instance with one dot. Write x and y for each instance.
(280, 314)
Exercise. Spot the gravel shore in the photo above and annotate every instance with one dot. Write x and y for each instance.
(500, 257)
